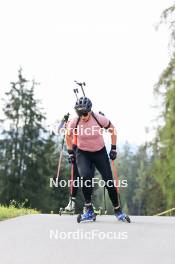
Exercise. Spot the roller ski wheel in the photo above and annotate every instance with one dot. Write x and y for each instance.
(60, 211)
(122, 217)
(87, 217)
(128, 219)
(79, 218)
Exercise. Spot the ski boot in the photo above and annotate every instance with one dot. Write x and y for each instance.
(121, 216)
(71, 205)
(88, 216)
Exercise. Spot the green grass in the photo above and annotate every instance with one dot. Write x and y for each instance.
(11, 211)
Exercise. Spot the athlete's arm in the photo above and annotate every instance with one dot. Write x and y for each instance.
(69, 139)
(113, 132)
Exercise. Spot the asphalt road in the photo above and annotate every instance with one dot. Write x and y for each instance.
(45, 239)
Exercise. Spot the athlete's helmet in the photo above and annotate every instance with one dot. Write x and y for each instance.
(83, 105)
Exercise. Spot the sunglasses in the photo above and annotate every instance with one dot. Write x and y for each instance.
(83, 114)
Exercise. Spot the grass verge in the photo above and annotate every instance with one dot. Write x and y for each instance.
(11, 211)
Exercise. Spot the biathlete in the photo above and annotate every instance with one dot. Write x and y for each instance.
(91, 150)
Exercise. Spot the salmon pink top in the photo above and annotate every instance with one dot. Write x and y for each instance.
(89, 133)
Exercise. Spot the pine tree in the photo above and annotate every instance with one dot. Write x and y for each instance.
(26, 149)
(164, 165)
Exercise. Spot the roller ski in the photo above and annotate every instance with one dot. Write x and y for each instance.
(62, 211)
(121, 216)
(69, 209)
(88, 216)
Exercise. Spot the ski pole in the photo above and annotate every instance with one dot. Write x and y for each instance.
(105, 207)
(63, 123)
(117, 181)
(71, 182)
(72, 179)
(60, 158)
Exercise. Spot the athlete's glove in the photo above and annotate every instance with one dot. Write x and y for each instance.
(113, 152)
(71, 157)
